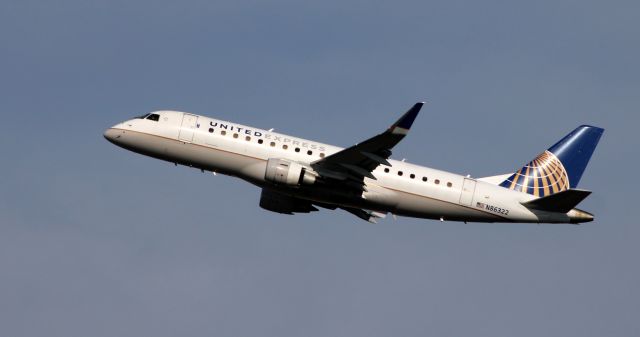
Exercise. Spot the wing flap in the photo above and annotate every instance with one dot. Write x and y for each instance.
(376, 158)
(366, 215)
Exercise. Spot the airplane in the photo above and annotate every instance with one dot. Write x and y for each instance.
(298, 175)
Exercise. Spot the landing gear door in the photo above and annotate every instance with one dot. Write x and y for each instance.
(468, 189)
(188, 127)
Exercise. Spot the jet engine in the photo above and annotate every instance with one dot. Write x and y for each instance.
(286, 172)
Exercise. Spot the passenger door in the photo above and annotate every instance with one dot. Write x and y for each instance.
(468, 189)
(188, 127)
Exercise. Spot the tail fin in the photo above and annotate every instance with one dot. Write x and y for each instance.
(560, 167)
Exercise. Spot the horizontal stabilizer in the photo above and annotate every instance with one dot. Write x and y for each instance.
(561, 202)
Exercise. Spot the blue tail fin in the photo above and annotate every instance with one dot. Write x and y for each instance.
(560, 167)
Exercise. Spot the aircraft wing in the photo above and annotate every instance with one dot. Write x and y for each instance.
(358, 161)
(282, 203)
(287, 204)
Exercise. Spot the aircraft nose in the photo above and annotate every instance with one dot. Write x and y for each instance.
(112, 135)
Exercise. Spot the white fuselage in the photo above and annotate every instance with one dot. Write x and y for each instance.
(404, 189)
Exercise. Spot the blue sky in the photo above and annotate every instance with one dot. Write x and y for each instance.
(98, 241)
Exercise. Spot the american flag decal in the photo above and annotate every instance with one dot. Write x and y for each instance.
(479, 205)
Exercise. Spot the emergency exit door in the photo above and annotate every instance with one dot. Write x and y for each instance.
(468, 189)
(188, 127)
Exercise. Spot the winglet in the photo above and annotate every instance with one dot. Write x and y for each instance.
(402, 125)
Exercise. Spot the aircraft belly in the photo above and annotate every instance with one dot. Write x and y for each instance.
(424, 207)
(396, 202)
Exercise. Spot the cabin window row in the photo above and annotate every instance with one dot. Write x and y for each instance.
(261, 141)
(413, 176)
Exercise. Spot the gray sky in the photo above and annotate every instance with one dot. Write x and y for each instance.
(97, 241)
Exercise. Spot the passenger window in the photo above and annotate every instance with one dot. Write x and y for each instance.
(235, 135)
(424, 178)
(297, 149)
(412, 176)
(386, 170)
(437, 181)
(247, 138)
(309, 152)
(400, 173)
(449, 184)
(210, 130)
(321, 155)
(285, 146)
(260, 141)
(154, 117)
(273, 144)
(223, 132)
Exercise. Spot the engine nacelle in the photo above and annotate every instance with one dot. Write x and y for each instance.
(286, 172)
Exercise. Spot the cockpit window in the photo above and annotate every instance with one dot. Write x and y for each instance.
(143, 116)
(154, 117)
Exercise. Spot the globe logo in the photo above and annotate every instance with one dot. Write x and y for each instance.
(545, 175)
